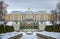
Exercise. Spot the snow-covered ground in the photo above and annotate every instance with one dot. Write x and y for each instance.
(50, 34)
(9, 35)
(32, 36)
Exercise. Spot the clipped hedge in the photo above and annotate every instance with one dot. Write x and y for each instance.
(6, 29)
(59, 27)
(51, 28)
(2, 29)
(9, 28)
(56, 29)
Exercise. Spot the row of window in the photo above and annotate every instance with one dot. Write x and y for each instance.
(27, 21)
(16, 17)
(28, 27)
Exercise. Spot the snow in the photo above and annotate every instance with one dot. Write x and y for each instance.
(1, 22)
(50, 34)
(10, 23)
(32, 36)
(9, 35)
(48, 23)
(58, 22)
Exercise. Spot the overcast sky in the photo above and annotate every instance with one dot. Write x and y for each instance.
(33, 4)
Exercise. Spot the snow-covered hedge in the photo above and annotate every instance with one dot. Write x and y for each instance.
(4, 29)
(52, 28)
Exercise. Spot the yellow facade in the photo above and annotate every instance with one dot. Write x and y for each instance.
(20, 17)
(28, 21)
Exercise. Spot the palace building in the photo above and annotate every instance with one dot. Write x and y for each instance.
(28, 19)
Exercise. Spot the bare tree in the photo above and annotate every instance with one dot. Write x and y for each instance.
(3, 10)
(54, 16)
(58, 11)
(58, 5)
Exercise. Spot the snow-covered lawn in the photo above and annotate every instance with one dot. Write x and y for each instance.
(9, 35)
(50, 34)
(32, 36)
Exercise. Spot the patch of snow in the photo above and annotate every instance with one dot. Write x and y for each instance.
(9, 35)
(10, 23)
(33, 36)
(58, 22)
(1, 22)
(48, 23)
(50, 34)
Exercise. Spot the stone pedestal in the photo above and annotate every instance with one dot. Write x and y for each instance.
(42, 26)
(16, 26)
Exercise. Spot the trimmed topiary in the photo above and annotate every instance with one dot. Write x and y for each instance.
(49, 28)
(2, 29)
(9, 29)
